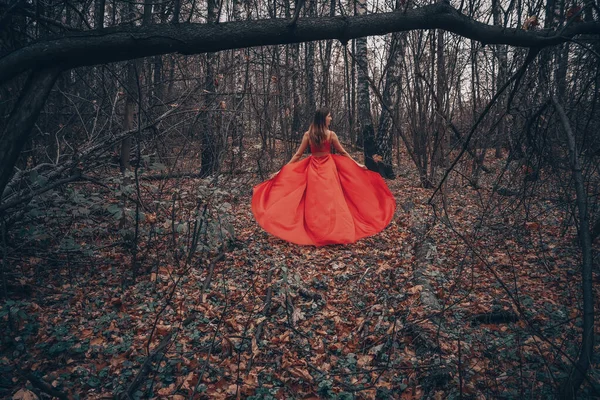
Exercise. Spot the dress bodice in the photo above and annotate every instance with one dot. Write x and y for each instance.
(325, 147)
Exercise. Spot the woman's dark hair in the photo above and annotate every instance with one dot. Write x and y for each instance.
(317, 131)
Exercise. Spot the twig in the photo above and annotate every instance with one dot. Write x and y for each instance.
(211, 269)
(145, 369)
(267, 306)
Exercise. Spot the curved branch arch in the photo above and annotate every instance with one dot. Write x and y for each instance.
(121, 43)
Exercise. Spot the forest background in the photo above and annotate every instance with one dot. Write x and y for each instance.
(133, 132)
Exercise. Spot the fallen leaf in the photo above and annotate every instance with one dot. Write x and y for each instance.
(415, 289)
(24, 394)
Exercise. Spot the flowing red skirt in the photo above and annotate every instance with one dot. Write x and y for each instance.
(323, 200)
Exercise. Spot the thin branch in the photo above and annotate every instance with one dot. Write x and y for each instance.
(516, 76)
(145, 369)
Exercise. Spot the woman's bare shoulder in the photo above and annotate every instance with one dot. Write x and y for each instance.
(332, 135)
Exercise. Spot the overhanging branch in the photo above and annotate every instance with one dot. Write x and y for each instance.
(124, 42)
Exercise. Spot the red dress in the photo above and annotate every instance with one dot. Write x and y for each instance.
(323, 200)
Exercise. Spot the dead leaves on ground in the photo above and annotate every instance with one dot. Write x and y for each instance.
(337, 318)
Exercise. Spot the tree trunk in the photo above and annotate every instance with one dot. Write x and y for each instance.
(476, 99)
(327, 65)
(310, 68)
(354, 131)
(366, 130)
(441, 133)
(22, 118)
(502, 61)
(348, 95)
(295, 91)
(561, 59)
(99, 10)
(211, 142)
(177, 11)
(237, 127)
(147, 12)
(391, 94)
(130, 103)
(419, 113)
(158, 85)
(130, 90)
(586, 352)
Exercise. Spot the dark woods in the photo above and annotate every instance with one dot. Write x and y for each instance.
(128, 152)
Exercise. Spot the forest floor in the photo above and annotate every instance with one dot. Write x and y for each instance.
(478, 298)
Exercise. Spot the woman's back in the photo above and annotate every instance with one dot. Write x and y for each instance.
(324, 147)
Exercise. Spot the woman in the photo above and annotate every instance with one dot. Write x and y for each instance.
(325, 198)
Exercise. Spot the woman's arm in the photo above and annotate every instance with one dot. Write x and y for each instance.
(340, 149)
(301, 149)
